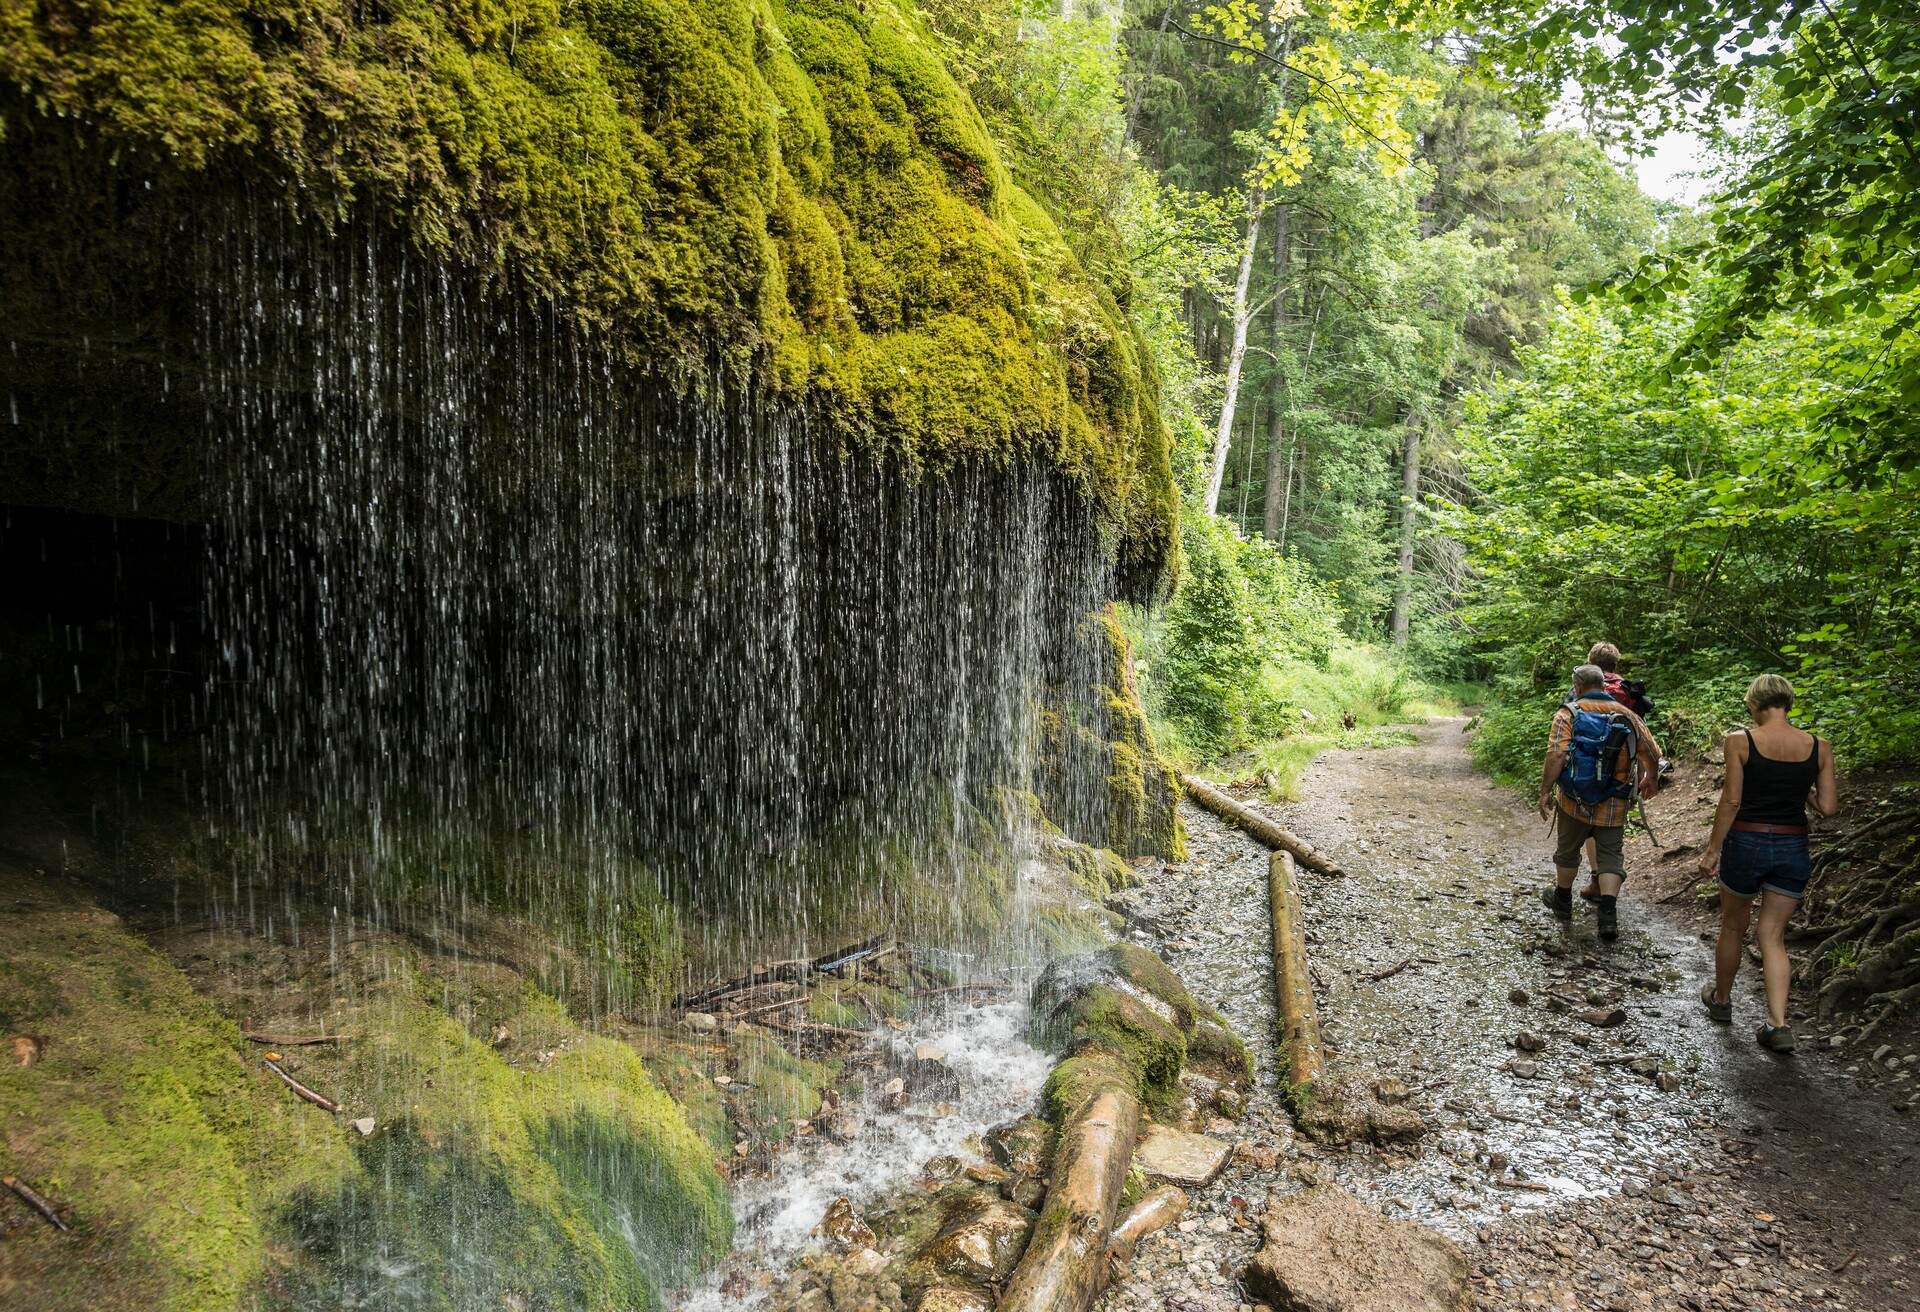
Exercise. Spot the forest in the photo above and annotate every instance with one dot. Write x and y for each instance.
(1451, 396)
(889, 655)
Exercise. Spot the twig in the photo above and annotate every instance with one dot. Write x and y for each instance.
(37, 1203)
(1845, 1262)
(984, 987)
(1507, 1182)
(812, 1027)
(781, 1005)
(292, 1040)
(319, 1100)
(1684, 889)
(1390, 971)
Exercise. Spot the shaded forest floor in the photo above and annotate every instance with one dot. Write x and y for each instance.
(1654, 1162)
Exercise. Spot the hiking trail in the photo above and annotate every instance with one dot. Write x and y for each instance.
(1657, 1162)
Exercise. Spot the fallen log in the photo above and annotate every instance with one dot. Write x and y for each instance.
(291, 1040)
(319, 1100)
(1292, 985)
(1157, 1210)
(1065, 1266)
(791, 972)
(1259, 826)
(36, 1202)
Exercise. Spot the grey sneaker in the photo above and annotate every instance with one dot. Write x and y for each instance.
(1774, 1038)
(1720, 1013)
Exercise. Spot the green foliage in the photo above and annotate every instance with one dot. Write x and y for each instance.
(1241, 614)
(1699, 517)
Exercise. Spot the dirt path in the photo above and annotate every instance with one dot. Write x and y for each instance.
(1704, 1175)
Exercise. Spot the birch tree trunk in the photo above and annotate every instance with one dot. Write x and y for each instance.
(1279, 454)
(1242, 316)
(1409, 506)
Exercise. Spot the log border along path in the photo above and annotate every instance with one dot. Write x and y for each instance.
(1292, 981)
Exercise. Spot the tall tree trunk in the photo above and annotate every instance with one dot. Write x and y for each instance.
(1409, 507)
(1279, 453)
(1242, 316)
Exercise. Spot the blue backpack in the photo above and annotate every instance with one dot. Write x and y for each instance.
(1593, 754)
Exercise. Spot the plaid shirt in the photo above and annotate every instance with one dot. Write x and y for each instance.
(1611, 812)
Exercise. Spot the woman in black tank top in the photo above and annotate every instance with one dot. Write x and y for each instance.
(1759, 849)
(1775, 792)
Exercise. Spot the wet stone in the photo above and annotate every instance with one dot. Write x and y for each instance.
(1177, 1157)
(843, 1228)
(981, 1241)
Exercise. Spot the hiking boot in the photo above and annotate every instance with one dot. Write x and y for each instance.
(1720, 1013)
(1591, 893)
(1774, 1038)
(1607, 922)
(1559, 901)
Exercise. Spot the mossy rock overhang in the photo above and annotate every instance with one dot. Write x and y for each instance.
(794, 193)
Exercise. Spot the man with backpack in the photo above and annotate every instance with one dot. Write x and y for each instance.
(1632, 695)
(1600, 757)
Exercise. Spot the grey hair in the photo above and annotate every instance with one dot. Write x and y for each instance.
(1588, 677)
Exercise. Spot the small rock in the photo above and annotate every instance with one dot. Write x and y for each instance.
(701, 1022)
(1259, 1156)
(1666, 1081)
(1605, 1018)
(1177, 1157)
(1519, 997)
(1880, 1053)
(843, 1227)
(502, 1035)
(1391, 1089)
(364, 1125)
(954, 1298)
(1527, 1041)
(929, 1052)
(1524, 1069)
(723, 1080)
(1644, 1066)
(865, 1263)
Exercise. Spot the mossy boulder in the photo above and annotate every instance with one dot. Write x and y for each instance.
(1122, 1004)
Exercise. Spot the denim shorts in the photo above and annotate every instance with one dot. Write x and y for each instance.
(1779, 863)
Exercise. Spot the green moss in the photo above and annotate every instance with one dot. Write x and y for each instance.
(1215, 1047)
(1146, 972)
(1071, 1082)
(780, 1088)
(514, 1163)
(685, 1071)
(1153, 1048)
(146, 1116)
(798, 182)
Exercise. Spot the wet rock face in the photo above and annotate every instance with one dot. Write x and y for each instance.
(1325, 1252)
